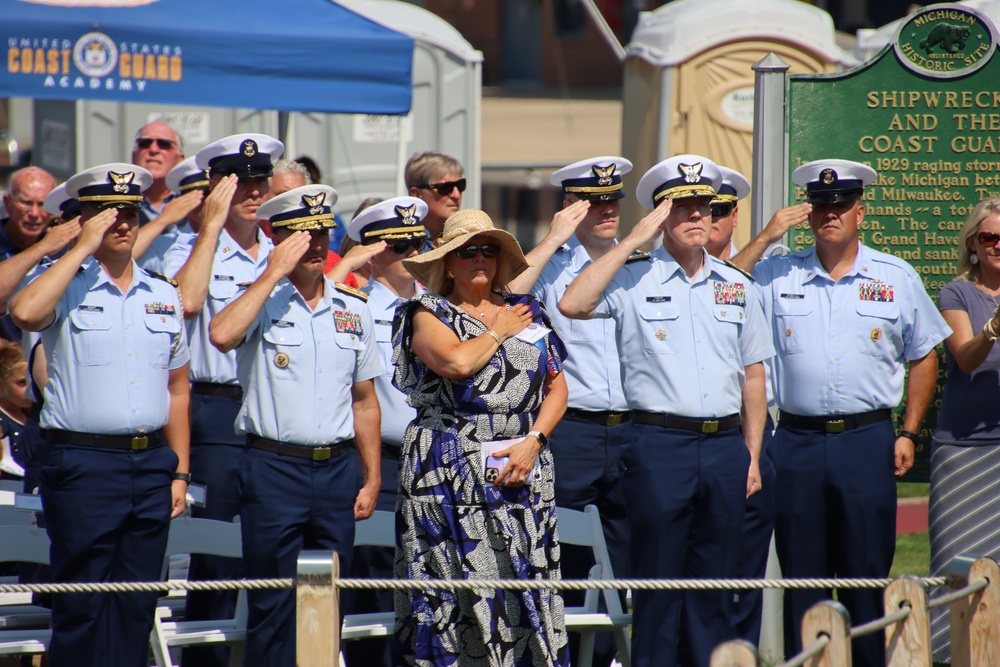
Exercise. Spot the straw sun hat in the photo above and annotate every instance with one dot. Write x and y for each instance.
(459, 229)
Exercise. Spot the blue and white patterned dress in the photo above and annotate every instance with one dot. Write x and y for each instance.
(451, 524)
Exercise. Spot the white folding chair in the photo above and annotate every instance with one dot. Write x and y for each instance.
(24, 628)
(210, 538)
(379, 530)
(584, 529)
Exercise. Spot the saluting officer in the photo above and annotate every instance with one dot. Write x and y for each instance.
(188, 185)
(725, 213)
(118, 389)
(691, 337)
(847, 321)
(307, 362)
(396, 226)
(586, 444)
(229, 249)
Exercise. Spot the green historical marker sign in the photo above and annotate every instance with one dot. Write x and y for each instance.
(925, 114)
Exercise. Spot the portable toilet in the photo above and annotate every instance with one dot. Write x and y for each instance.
(689, 82)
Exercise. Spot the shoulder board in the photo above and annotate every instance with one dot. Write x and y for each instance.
(736, 268)
(637, 256)
(347, 289)
(161, 277)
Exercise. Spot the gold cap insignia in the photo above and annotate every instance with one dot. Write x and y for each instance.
(828, 176)
(121, 181)
(281, 360)
(876, 335)
(604, 174)
(407, 214)
(249, 147)
(314, 204)
(690, 172)
(661, 334)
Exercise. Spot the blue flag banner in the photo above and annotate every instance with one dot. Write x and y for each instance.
(287, 55)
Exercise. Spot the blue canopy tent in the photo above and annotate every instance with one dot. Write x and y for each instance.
(292, 55)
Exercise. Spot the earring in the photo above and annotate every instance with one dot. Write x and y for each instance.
(973, 259)
(450, 275)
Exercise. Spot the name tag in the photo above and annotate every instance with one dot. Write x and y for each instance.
(284, 324)
(658, 299)
(91, 309)
(793, 296)
(225, 279)
(387, 323)
(532, 333)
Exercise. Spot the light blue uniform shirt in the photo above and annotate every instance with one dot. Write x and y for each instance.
(684, 341)
(592, 367)
(304, 397)
(842, 345)
(232, 266)
(396, 414)
(110, 355)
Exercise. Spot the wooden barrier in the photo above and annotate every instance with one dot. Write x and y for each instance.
(735, 653)
(908, 643)
(975, 620)
(317, 610)
(830, 619)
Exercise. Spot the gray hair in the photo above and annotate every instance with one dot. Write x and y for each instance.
(292, 167)
(177, 135)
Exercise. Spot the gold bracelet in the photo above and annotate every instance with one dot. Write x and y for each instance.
(496, 336)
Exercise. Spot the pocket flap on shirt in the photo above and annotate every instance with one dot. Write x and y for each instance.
(887, 310)
(658, 310)
(90, 320)
(284, 335)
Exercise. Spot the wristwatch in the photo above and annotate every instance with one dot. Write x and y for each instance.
(543, 440)
(182, 476)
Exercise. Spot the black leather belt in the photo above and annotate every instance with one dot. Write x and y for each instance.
(833, 423)
(604, 417)
(318, 453)
(233, 391)
(135, 443)
(706, 426)
(390, 451)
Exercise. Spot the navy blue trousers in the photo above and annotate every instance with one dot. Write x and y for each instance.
(758, 525)
(587, 460)
(108, 514)
(288, 505)
(215, 457)
(685, 494)
(836, 517)
(374, 563)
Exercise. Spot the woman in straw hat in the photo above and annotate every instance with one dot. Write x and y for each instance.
(483, 368)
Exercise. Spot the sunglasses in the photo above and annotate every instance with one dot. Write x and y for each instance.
(403, 246)
(988, 239)
(444, 189)
(722, 210)
(163, 144)
(489, 250)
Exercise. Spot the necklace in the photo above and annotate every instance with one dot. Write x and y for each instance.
(482, 314)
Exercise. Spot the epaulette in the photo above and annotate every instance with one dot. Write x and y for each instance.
(637, 256)
(733, 266)
(347, 289)
(162, 277)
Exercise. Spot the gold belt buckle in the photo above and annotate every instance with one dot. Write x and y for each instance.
(614, 420)
(835, 426)
(710, 426)
(140, 443)
(322, 453)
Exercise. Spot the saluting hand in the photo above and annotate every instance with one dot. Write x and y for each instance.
(94, 229)
(565, 222)
(359, 255)
(58, 237)
(786, 218)
(650, 227)
(511, 320)
(286, 255)
(217, 203)
(178, 208)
